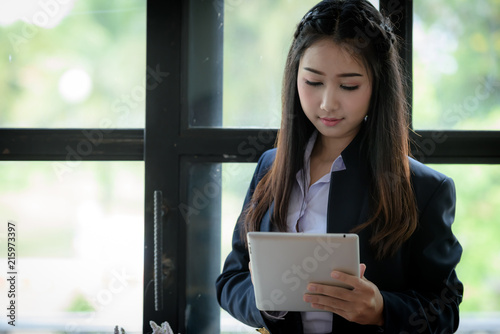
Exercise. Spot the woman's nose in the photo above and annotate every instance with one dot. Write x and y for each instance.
(330, 101)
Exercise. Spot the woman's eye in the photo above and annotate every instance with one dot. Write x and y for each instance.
(349, 87)
(313, 83)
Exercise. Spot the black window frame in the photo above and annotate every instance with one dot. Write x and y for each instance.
(167, 47)
(220, 145)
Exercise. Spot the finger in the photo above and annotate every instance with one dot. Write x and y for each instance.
(340, 307)
(330, 291)
(353, 281)
(362, 269)
(325, 303)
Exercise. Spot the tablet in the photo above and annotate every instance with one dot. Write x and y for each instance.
(284, 263)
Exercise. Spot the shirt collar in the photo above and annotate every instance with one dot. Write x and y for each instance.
(337, 165)
(303, 176)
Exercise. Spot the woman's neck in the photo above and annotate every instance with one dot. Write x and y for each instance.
(327, 149)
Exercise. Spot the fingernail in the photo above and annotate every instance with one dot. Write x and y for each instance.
(335, 274)
(311, 288)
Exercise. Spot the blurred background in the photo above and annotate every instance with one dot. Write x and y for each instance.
(74, 64)
(81, 64)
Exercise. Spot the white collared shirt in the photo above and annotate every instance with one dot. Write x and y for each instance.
(307, 213)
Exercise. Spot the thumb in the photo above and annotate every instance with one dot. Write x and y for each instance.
(362, 269)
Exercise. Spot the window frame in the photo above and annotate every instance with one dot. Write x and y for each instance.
(224, 144)
(167, 47)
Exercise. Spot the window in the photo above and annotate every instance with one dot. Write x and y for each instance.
(73, 64)
(77, 85)
(477, 229)
(79, 246)
(456, 65)
(218, 114)
(73, 86)
(254, 58)
(455, 115)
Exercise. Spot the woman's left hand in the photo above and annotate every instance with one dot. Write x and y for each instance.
(364, 304)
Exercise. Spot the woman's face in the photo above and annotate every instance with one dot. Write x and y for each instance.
(334, 90)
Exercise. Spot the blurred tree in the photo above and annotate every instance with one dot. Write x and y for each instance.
(97, 48)
(456, 65)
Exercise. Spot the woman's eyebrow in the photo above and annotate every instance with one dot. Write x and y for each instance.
(313, 70)
(345, 75)
(341, 75)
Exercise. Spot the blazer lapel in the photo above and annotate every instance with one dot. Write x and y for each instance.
(348, 200)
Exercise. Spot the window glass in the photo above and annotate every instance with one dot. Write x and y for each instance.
(456, 73)
(212, 208)
(477, 229)
(257, 36)
(74, 64)
(256, 39)
(235, 182)
(79, 245)
(202, 214)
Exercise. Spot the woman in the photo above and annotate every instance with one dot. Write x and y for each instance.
(341, 165)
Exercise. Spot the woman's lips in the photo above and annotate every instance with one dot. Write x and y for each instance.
(330, 121)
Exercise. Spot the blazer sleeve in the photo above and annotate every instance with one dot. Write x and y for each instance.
(234, 287)
(432, 303)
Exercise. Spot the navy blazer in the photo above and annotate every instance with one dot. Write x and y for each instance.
(419, 285)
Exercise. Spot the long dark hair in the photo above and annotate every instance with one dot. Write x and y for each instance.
(362, 30)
